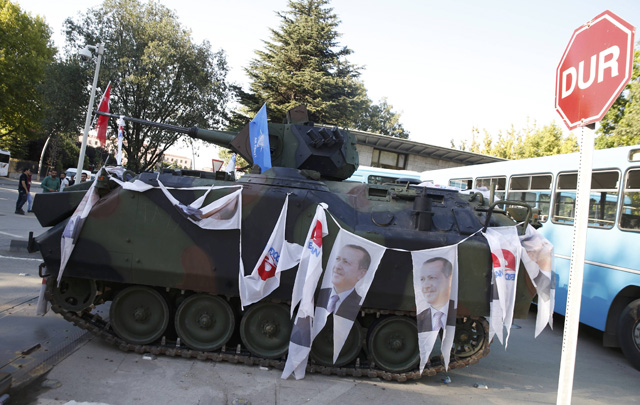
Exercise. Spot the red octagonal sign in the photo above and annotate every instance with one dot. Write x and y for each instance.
(594, 69)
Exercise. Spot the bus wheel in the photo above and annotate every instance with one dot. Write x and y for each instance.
(629, 332)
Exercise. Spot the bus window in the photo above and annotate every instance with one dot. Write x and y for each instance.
(603, 198)
(490, 182)
(462, 184)
(534, 190)
(630, 215)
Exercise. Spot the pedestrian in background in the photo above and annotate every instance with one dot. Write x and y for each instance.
(29, 199)
(64, 182)
(22, 190)
(51, 183)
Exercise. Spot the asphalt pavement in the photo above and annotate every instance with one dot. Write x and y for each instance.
(53, 362)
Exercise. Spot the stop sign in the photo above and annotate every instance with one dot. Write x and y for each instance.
(594, 69)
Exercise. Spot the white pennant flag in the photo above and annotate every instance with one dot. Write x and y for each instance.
(278, 255)
(505, 254)
(309, 272)
(43, 305)
(120, 136)
(352, 265)
(538, 260)
(435, 286)
(223, 213)
(74, 226)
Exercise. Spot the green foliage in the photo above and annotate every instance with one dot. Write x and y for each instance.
(156, 73)
(65, 97)
(25, 52)
(304, 63)
(621, 124)
(381, 119)
(522, 144)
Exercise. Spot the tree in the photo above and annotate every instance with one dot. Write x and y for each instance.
(304, 64)
(621, 124)
(521, 144)
(25, 51)
(381, 119)
(156, 73)
(64, 105)
(547, 141)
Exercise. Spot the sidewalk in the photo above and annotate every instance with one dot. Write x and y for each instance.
(13, 183)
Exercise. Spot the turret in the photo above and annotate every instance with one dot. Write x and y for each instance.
(297, 144)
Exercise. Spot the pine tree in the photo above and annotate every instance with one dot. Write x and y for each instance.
(303, 63)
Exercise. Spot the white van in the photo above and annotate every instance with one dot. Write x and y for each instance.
(5, 156)
(378, 175)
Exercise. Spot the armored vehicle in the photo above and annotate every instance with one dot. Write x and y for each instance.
(173, 286)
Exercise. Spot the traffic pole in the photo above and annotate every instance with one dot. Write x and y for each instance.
(576, 269)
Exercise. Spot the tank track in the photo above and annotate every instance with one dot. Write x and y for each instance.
(101, 328)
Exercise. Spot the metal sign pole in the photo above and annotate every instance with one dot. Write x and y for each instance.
(576, 272)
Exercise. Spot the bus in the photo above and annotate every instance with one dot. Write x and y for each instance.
(378, 175)
(611, 285)
(5, 156)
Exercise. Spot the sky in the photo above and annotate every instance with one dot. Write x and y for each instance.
(445, 66)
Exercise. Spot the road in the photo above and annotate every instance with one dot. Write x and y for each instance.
(29, 345)
(69, 365)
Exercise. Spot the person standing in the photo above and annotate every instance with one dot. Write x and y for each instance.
(64, 182)
(51, 183)
(29, 199)
(22, 190)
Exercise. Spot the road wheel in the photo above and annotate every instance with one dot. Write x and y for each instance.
(204, 322)
(265, 330)
(139, 315)
(629, 332)
(470, 337)
(75, 294)
(393, 344)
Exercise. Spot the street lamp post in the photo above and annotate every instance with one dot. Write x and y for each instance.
(86, 54)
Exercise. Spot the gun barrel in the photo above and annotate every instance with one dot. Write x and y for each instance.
(219, 138)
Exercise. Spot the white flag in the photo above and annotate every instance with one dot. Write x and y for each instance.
(505, 254)
(278, 255)
(43, 305)
(538, 260)
(231, 165)
(309, 272)
(74, 226)
(120, 135)
(223, 213)
(435, 286)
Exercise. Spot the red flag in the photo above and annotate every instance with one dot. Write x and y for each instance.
(101, 126)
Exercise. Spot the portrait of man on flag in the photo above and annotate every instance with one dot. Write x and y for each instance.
(350, 270)
(435, 288)
(435, 285)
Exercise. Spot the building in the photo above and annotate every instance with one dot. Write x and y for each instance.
(402, 154)
(181, 162)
